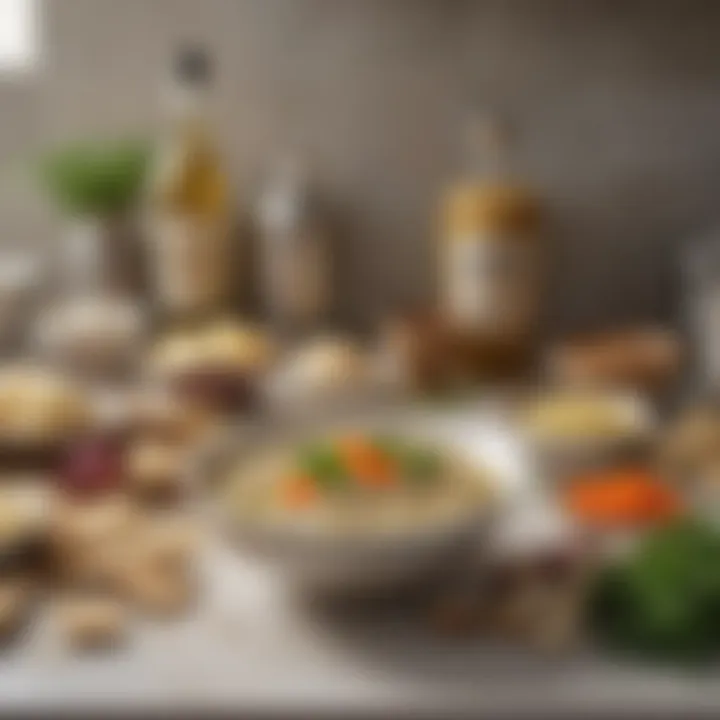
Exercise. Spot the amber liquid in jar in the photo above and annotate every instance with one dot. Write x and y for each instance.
(491, 275)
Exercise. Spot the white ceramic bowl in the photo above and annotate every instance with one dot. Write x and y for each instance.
(561, 456)
(355, 566)
(332, 564)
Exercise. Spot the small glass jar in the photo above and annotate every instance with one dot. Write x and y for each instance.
(96, 325)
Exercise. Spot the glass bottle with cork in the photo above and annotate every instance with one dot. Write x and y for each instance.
(189, 203)
(491, 259)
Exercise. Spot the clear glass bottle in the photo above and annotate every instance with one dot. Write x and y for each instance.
(292, 234)
(189, 202)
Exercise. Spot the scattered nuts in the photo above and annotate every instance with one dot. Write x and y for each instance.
(15, 599)
(155, 470)
(92, 621)
(161, 594)
(168, 543)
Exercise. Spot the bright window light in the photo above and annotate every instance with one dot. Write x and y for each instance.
(17, 34)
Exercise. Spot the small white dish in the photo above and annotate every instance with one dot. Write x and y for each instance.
(559, 455)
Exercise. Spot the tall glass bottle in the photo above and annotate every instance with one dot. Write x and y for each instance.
(292, 235)
(189, 203)
(491, 255)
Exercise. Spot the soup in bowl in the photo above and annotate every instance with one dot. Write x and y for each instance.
(356, 510)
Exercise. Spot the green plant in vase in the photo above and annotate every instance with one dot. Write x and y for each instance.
(96, 186)
(96, 178)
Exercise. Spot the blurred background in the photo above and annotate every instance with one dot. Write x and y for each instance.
(358, 277)
(614, 103)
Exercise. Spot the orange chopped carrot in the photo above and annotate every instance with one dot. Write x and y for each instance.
(299, 491)
(366, 463)
(622, 497)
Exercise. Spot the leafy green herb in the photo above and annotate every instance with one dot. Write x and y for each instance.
(96, 177)
(390, 446)
(420, 465)
(664, 601)
(324, 465)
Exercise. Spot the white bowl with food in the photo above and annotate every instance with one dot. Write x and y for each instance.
(24, 511)
(41, 413)
(348, 508)
(571, 431)
(327, 374)
(219, 366)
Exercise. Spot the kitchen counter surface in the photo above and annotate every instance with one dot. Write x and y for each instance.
(252, 649)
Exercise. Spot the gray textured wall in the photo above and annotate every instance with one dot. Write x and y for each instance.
(618, 101)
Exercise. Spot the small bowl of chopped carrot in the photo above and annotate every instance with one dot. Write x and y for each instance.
(620, 504)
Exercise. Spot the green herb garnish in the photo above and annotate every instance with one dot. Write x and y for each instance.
(419, 465)
(664, 601)
(391, 447)
(324, 465)
(422, 465)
